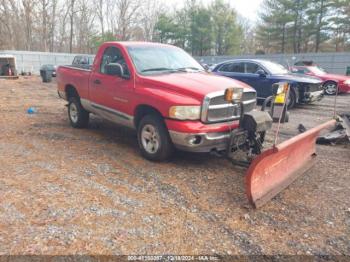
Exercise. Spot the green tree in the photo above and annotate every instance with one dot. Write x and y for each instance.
(201, 32)
(227, 32)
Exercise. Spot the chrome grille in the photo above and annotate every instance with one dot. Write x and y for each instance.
(249, 101)
(216, 109)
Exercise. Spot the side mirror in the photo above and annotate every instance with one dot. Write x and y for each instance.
(206, 67)
(115, 69)
(261, 73)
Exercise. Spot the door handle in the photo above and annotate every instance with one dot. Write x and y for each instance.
(97, 82)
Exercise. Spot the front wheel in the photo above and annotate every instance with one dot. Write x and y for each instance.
(330, 88)
(154, 140)
(78, 116)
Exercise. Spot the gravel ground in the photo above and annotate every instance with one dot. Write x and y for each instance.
(68, 191)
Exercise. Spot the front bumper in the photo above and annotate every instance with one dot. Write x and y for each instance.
(198, 137)
(194, 136)
(310, 97)
(200, 143)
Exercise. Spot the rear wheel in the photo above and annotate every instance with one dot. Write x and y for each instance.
(330, 88)
(154, 140)
(78, 116)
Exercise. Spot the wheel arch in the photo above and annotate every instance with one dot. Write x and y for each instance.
(330, 81)
(71, 91)
(143, 110)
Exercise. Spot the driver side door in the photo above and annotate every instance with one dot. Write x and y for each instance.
(110, 94)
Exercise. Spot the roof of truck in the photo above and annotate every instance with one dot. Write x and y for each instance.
(139, 43)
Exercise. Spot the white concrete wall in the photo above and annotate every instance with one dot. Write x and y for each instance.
(332, 62)
(32, 61)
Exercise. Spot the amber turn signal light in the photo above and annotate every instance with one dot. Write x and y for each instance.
(233, 94)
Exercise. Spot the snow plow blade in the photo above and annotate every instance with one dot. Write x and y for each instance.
(276, 168)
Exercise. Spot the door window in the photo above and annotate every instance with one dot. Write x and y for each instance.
(113, 55)
(226, 68)
(252, 68)
(238, 67)
(233, 68)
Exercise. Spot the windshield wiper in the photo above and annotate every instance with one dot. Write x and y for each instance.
(158, 69)
(184, 69)
(181, 69)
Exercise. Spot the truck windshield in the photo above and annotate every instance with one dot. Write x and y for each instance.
(155, 60)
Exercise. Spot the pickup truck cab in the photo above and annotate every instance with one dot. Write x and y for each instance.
(160, 91)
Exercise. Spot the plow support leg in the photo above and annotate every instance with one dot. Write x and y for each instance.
(276, 168)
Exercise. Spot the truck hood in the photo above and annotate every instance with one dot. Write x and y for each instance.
(195, 85)
(299, 78)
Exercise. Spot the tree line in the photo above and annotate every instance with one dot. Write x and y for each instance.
(80, 26)
(295, 26)
(76, 26)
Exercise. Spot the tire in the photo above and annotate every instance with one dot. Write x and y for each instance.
(78, 116)
(330, 88)
(153, 138)
(292, 100)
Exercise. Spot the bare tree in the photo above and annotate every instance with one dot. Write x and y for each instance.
(127, 11)
(150, 11)
(28, 9)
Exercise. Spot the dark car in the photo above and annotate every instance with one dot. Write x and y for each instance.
(47, 72)
(262, 74)
(83, 61)
(51, 68)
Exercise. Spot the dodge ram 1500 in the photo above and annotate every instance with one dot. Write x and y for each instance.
(160, 91)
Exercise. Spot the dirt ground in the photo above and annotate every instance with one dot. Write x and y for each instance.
(69, 191)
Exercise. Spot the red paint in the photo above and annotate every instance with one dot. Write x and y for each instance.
(159, 91)
(340, 79)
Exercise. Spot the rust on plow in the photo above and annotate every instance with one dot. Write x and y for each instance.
(276, 168)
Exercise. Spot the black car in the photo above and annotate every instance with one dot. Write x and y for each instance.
(262, 74)
(47, 72)
(83, 61)
(50, 68)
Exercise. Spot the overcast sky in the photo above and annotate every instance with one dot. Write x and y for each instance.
(246, 8)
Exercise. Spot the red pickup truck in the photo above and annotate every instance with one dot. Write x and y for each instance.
(160, 91)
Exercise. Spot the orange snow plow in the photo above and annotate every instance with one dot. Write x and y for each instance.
(272, 170)
(276, 168)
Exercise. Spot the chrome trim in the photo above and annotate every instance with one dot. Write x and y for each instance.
(110, 114)
(249, 102)
(111, 111)
(77, 68)
(209, 141)
(223, 106)
(206, 107)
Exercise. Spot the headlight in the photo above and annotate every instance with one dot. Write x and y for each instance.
(185, 112)
(347, 82)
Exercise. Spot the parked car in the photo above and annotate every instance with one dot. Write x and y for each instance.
(49, 67)
(83, 61)
(331, 81)
(262, 74)
(162, 92)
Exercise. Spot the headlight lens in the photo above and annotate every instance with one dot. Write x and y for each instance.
(347, 82)
(185, 112)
